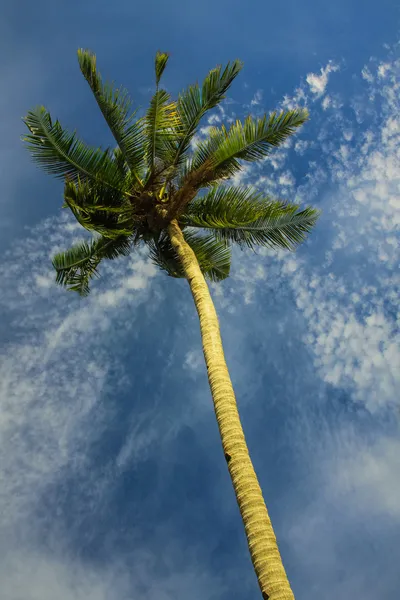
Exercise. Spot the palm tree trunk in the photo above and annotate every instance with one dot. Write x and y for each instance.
(260, 534)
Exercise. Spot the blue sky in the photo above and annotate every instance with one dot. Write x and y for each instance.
(112, 479)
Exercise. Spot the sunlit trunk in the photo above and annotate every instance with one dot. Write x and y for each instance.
(260, 534)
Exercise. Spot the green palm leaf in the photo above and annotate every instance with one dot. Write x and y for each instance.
(194, 102)
(214, 257)
(242, 216)
(101, 209)
(115, 105)
(78, 265)
(62, 154)
(160, 63)
(196, 174)
(161, 127)
(250, 141)
(200, 161)
(120, 161)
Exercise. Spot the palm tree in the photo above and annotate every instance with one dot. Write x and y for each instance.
(153, 189)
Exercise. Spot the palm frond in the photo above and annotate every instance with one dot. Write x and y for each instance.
(242, 216)
(221, 206)
(115, 105)
(76, 266)
(119, 159)
(250, 142)
(194, 102)
(98, 208)
(134, 150)
(200, 171)
(213, 256)
(253, 140)
(62, 154)
(161, 128)
(160, 64)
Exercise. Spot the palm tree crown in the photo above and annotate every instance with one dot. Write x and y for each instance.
(128, 195)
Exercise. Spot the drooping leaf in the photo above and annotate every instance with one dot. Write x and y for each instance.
(101, 209)
(115, 105)
(76, 266)
(213, 256)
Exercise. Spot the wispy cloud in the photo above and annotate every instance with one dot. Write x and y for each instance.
(257, 98)
(352, 520)
(194, 360)
(57, 363)
(301, 146)
(334, 304)
(366, 474)
(348, 291)
(62, 373)
(44, 576)
(359, 353)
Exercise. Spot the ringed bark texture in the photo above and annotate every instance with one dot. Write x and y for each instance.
(260, 535)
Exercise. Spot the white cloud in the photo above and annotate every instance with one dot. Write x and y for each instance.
(276, 159)
(356, 503)
(213, 119)
(257, 98)
(196, 139)
(348, 135)
(242, 175)
(355, 339)
(53, 378)
(258, 274)
(194, 360)
(299, 98)
(34, 575)
(383, 69)
(318, 83)
(326, 102)
(345, 283)
(348, 297)
(359, 354)
(367, 75)
(286, 179)
(369, 476)
(63, 356)
(204, 131)
(301, 146)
